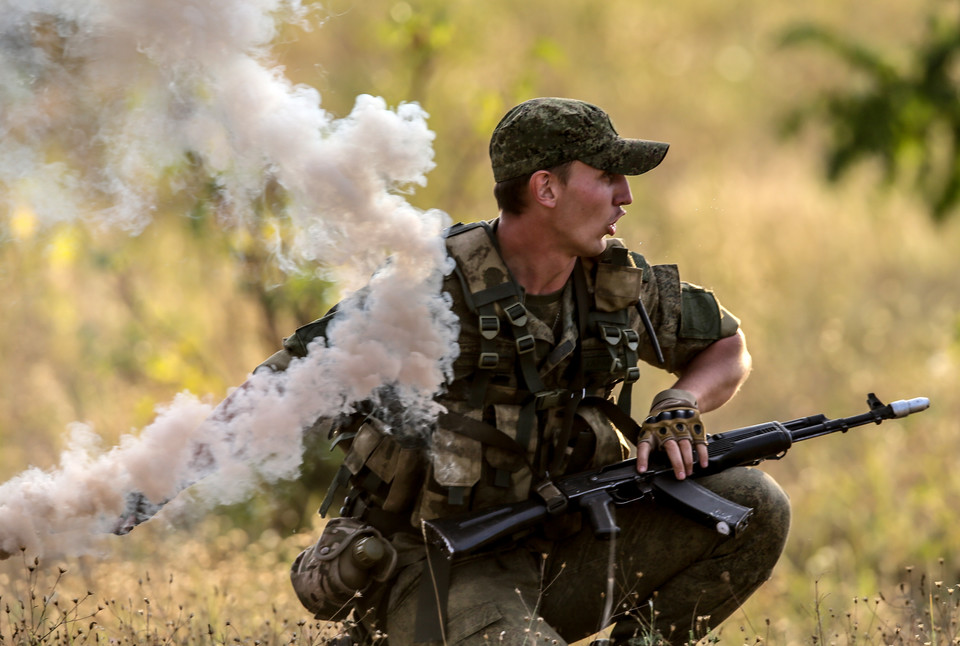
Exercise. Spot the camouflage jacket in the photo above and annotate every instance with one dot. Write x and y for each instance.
(510, 419)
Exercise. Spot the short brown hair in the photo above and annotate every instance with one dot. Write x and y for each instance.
(511, 194)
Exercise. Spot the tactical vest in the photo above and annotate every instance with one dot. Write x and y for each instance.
(523, 406)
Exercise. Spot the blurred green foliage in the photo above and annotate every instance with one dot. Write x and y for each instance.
(842, 288)
(905, 115)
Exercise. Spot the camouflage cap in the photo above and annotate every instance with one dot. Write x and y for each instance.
(546, 132)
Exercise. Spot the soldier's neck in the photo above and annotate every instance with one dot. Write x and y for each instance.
(539, 267)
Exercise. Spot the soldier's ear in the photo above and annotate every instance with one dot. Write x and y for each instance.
(543, 188)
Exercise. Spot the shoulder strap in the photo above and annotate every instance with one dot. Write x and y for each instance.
(490, 289)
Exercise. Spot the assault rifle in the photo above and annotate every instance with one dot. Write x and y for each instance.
(595, 492)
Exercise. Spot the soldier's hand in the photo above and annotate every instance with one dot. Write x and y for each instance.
(139, 509)
(674, 427)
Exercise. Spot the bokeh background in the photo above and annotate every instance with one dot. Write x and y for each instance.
(845, 276)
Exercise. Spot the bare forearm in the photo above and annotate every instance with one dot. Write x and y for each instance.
(716, 374)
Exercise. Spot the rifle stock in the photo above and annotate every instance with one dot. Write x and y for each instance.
(466, 533)
(596, 492)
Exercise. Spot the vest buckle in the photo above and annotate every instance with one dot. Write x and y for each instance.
(525, 344)
(488, 360)
(550, 398)
(517, 314)
(489, 326)
(611, 334)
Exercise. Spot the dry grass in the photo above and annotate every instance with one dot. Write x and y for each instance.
(48, 604)
(217, 587)
(918, 611)
(842, 290)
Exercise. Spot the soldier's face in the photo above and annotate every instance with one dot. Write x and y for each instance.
(588, 207)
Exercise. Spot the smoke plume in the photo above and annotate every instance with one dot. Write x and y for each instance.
(102, 101)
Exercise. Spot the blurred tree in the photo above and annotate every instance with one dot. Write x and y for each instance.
(284, 301)
(906, 116)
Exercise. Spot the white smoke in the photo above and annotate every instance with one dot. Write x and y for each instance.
(102, 101)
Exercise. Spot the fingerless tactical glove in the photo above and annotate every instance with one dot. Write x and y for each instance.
(673, 416)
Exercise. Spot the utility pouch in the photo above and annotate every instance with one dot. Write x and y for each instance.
(388, 470)
(348, 559)
(617, 286)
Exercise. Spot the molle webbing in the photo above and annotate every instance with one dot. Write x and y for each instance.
(488, 285)
(490, 289)
(602, 312)
(614, 328)
(493, 296)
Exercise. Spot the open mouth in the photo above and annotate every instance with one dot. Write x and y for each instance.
(612, 227)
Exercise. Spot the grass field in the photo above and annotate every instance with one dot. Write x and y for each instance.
(842, 289)
(218, 585)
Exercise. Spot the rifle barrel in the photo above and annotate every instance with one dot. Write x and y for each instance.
(894, 410)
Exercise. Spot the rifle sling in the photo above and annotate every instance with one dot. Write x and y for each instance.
(434, 583)
(481, 431)
(434, 589)
(563, 437)
(624, 423)
(431, 618)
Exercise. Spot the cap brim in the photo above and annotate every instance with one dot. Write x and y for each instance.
(629, 156)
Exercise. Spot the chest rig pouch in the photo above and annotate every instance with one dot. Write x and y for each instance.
(549, 415)
(606, 289)
(616, 290)
(508, 426)
(601, 349)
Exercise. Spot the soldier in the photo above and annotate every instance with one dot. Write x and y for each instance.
(555, 314)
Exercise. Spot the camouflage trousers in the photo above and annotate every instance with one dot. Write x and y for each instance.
(671, 575)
